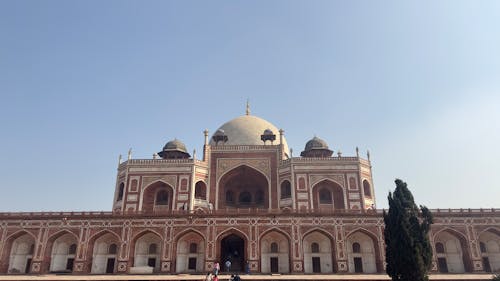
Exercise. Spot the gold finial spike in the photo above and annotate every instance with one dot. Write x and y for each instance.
(248, 107)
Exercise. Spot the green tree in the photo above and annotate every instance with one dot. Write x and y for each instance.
(408, 251)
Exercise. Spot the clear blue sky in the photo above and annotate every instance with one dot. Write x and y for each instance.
(415, 82)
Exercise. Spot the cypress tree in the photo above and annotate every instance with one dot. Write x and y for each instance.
(408, 251)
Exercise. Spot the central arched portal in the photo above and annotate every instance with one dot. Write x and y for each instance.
(243, 187)
(232, 248)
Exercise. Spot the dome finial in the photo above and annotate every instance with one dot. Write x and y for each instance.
(248, 107)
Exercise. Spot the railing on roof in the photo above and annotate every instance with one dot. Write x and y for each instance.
(140, 162)
(229, 212)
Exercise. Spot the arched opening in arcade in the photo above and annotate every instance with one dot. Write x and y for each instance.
(328, 195)
(21, 253)
(274, 253)
(489, 247)
(190, 253)
(362, 252)
(451, 252)
(62, 257)
(104, 253)
(232, 249)
(243, 187)
(157, 197)
(318, 253)
(147, 252)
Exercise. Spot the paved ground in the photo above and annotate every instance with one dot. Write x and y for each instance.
(188, 277)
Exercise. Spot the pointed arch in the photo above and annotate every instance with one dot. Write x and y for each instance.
(327, 194)
(368, 258)
(200, 190)
(229, 231)
(189, 247)
(263, 173)
(322, 261)
(491, 229)
(243, 186)
(150, 195)
(276, 229)
(234, 245)
(140, 253)
(102, 260)
(489, 249)
(16, 252)
(454, 261)
(274, 248)
(57, 253)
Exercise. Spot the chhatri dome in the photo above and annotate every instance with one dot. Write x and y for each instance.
(247, 130)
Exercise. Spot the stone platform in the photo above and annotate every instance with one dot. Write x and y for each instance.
(256, 277)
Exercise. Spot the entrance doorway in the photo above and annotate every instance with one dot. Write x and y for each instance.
(274, 265)
(358, 265)
(232, 248)
(442, 265)
(110, 265)
(316, 263)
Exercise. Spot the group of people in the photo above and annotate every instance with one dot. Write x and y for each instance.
(215, 275)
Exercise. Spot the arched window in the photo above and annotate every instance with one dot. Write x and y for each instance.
(112, 249)
(162, 197)
(245, 198)
(259, 197)
(120, 192)
(356, 248)
(193, 248)
(482, 247)
(439, 248)
(274, 247)
(152, 249)
(367, 191)
(200, 190)
(286, 190)
(315, 247)
(229, 196)
(72, 249)
(325, 196)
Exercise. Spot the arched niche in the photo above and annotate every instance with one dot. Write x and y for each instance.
(456, 257)
(274, 253)
(317, 249)
(147, 251)
(190, 253)
(103, 248)
(157, 197)
(489, 247)
(328, 195)
(21, 253)
(361, 253)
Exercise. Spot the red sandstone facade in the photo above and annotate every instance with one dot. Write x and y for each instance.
(247, 200)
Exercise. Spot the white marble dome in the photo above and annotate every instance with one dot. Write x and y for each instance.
(247, 129)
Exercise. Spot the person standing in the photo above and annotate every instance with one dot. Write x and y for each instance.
(216, 268)
(228, 265)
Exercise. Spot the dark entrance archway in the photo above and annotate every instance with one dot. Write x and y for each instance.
(232, 248)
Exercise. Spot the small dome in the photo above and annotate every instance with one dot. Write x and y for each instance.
(316, 143)
(316, 147)
(175, 145)
(219, 132)
(174, 149)
(268, 132)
